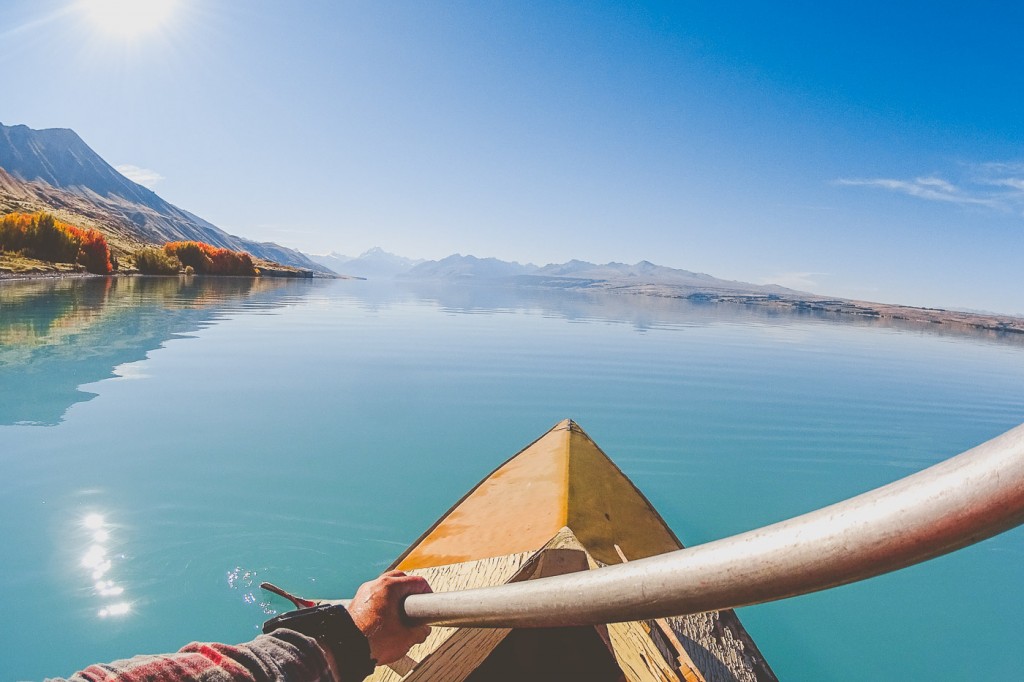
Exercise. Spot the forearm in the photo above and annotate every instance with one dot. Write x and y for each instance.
(284, 656)
(353, 642)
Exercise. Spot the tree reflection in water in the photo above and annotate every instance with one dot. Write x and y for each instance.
(57, 335)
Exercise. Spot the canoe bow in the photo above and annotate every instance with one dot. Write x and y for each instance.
(950, 505)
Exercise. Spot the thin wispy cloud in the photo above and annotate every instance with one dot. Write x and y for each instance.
(930, 188)
(1012, 183)
(1008, 175)
(1001, 167)
(997, 185)
(143, 176)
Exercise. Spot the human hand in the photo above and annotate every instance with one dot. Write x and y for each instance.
(377, 612)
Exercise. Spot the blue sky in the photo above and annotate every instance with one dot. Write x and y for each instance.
(859, 150)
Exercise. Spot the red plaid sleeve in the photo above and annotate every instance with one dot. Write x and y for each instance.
(284, 656)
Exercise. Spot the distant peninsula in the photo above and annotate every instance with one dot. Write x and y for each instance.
(988, 324)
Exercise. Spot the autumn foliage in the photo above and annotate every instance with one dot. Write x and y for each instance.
(211, 260)
(42, 236)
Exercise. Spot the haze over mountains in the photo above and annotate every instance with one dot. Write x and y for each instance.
(649, 280)
(55, 170)
(373, 264)
(379, 264)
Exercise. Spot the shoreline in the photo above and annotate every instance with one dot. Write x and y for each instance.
(8, 276)
(1010, 327)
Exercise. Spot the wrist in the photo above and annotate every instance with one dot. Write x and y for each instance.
(332, 627)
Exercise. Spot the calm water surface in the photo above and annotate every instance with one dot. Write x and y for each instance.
(166, 445)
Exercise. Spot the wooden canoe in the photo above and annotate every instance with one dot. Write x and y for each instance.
(561, 505)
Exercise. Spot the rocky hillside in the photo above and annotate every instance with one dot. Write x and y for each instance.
(56, 171)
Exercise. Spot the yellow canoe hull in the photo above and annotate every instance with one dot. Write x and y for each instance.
(560, 505)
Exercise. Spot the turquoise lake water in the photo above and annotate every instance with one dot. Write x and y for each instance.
(166, 445)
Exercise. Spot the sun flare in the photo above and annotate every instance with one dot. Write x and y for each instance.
(128, 18)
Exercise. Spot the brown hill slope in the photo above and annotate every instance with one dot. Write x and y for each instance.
(56, 171)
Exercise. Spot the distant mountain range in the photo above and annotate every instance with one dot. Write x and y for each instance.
(465, 268)
(379, 264)
(56, 171)
(373, 264)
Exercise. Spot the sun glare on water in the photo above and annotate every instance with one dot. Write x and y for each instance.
(128, 18)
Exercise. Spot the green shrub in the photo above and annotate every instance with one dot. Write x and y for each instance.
(153, 261)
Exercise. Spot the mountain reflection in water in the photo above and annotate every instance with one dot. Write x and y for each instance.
(57, 335)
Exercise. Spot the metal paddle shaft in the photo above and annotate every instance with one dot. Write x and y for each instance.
(958, 502)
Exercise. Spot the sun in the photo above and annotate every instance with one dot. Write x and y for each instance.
(128, 18)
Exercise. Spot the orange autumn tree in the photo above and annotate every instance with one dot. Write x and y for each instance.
(211, 260)
(42, 236)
